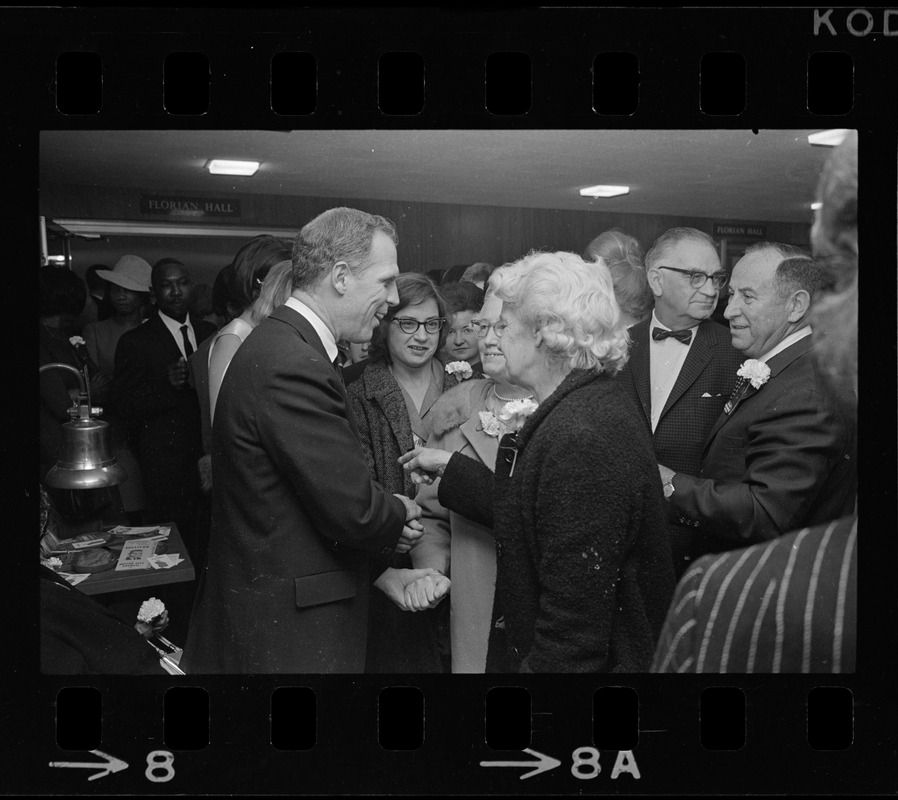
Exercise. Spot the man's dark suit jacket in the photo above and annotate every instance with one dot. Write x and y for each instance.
(783, 459)
(164, 421)
(295, 515)
(696, 400)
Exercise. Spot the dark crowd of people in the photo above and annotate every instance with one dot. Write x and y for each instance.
(566, 463)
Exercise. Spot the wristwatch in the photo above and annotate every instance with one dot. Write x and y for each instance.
(669, 487)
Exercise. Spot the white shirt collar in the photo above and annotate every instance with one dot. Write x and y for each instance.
(324, 333)
(173, 325)
(793, 337)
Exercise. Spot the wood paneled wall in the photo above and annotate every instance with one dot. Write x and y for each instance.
(431, 235)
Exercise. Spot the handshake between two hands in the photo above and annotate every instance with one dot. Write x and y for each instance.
(414, 589)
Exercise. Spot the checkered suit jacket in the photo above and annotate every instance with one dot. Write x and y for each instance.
(699, 394)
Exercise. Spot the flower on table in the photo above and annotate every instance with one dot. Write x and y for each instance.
(460, 368)
(53, 563)
(150, 610)
(76, 341)
(515, 412)
(757, 372)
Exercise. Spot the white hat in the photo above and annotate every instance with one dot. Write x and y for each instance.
(129, 272)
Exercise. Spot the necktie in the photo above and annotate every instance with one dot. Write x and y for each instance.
(684, 336)
(338, 366)
(188, 348)
(736, 396)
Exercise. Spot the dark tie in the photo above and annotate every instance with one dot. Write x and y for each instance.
(188, 348)
(736, 396)
(685, 336)
(338, 366)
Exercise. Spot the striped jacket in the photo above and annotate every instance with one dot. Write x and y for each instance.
(789, 605)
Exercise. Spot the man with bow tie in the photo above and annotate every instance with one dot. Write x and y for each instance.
(782, 454)
(682, 365)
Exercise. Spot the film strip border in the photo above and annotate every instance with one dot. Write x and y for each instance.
(256, 736)
(608, 67)
(596, 68)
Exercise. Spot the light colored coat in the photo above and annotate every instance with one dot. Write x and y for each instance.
(468, 545)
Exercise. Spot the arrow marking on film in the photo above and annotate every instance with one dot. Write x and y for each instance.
(112, 764)
(544, 764)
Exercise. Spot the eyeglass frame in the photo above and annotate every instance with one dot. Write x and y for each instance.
(721, 278)
(419, 323)
(479, 325)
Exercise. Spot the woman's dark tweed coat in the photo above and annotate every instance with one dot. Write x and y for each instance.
(398, 641)
(584, 574)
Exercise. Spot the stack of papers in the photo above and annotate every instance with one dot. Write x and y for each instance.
(166, 561)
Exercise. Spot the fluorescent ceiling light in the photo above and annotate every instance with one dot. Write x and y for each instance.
(830, 138)
(603, 190)
(220, 166)
(815, 206)
(102, 227)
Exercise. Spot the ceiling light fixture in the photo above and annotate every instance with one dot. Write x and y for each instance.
(220, 166)
(830, 138)
(604, 190)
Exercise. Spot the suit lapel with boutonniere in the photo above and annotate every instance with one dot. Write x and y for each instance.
(751, 379)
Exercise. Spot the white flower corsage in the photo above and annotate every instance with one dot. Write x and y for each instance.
(150, 609)
(76, 341)
(490, 425)
(460, 368)
(757, 372)
(515, 412)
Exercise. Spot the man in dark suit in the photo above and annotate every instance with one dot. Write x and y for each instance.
(682, 364)
(789, 605)
(150, 393)
(782, 455)
(295, 513)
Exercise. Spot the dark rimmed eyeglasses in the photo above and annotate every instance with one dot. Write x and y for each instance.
(697, 279)
(409, 325)
(481, 329)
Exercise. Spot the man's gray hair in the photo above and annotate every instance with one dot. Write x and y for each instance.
(796, 270)
(672, 237)
(338, 234)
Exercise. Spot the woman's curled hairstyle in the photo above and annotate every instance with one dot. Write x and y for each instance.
(572, 303)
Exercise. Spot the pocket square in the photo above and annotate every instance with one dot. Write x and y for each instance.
(706, 395)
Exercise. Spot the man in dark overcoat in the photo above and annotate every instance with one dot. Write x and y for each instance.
(295, 513)
(150, 393)
(783, 453)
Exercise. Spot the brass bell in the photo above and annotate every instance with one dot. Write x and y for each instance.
(85, 460)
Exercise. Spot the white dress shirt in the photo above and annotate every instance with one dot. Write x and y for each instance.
(175, 327)
(793, 337)
(324, 333)
(666, 359)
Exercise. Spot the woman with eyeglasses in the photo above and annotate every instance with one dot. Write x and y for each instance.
(584, 574)
(469, 420)
(393, 400)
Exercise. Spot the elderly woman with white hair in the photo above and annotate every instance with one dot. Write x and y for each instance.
(584, 573)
